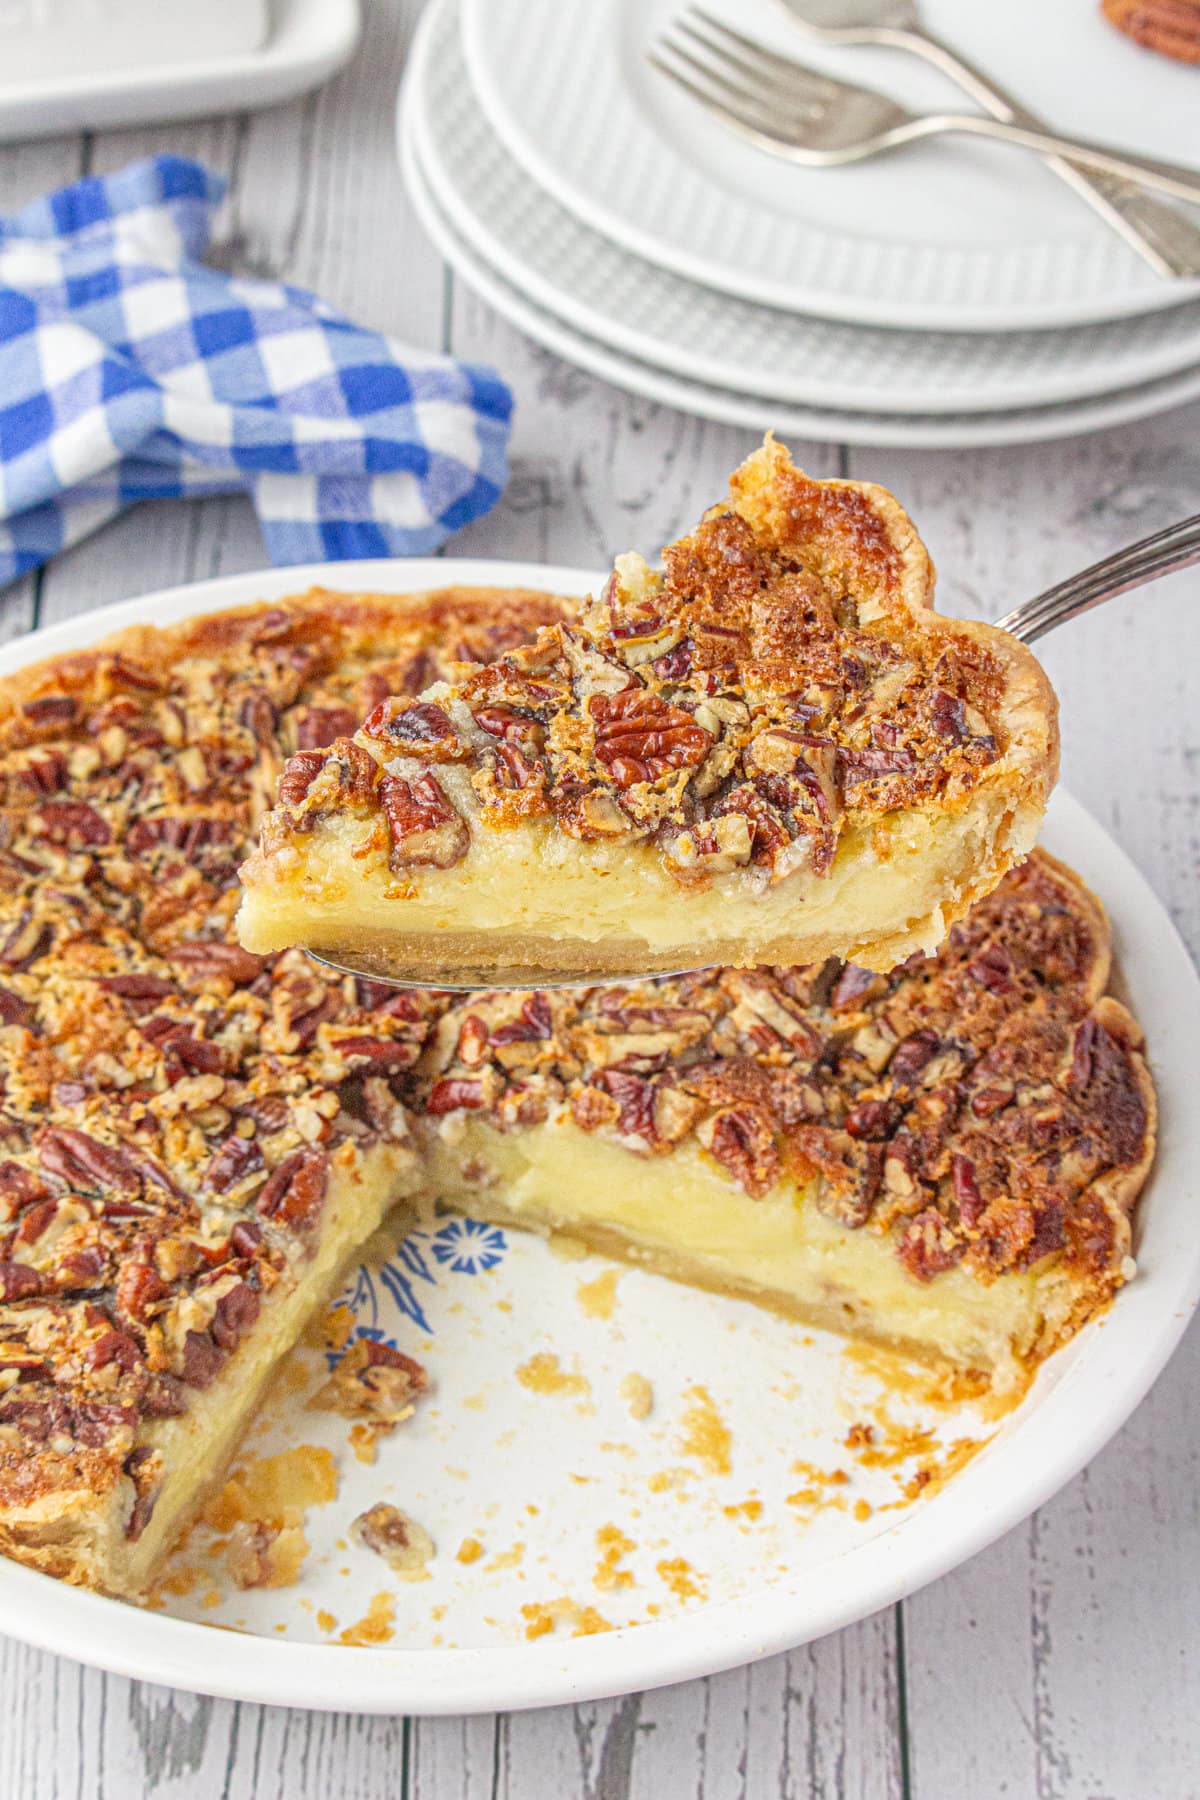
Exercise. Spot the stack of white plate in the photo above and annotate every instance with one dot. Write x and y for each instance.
(953, 293)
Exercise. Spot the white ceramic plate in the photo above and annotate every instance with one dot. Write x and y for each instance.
(927, 431)
(308, 40)
(485, 1457)
(662, 319)
(951, 235)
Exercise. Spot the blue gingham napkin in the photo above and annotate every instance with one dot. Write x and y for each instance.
(129, 370)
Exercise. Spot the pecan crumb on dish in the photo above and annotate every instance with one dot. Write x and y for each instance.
(405, 1546)
(268, 1556)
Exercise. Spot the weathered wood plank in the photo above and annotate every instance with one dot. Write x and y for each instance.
(1052, 1643)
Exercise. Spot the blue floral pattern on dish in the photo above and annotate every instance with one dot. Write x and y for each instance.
(460, 1247)
(468, 1247)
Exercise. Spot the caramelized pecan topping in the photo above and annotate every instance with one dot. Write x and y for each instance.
(737, 710)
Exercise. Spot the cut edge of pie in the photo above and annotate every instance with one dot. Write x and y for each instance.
(769, 810)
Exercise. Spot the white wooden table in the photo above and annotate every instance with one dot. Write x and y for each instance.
(1064, 1663)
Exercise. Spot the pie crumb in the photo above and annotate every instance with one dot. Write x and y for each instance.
(544, 1374)
(542, 1616)
(705, 1434)
(274, 1490)
(266, 1556)
(469, 1551)
(598, 1298)
(638, 1395)
(376, 1626)
(682, 1579)
(614, 1547)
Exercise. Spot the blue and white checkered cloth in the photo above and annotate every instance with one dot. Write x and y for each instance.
(130, 371)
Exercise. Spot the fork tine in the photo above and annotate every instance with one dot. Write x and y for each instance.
(768, 64)
(729, 115)
(741, 102)
(724, 63)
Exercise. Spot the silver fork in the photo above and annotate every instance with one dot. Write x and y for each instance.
(807, 117)
(1178, 547)
(1162, 553)
(1164, 238)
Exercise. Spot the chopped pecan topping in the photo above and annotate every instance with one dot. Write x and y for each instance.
(373, 1381)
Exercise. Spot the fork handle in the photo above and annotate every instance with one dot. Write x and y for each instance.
(1147, 171)
(1177, 547)
(1160, 235)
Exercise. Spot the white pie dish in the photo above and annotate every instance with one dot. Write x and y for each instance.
(835, 1569)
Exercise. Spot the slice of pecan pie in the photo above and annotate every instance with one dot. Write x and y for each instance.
(773, 752)
(943, 1159)
(194, 1139)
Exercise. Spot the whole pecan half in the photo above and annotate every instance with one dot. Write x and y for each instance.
(229, 962)
(425, 828)
(634, 1096)
(1172, 27)
(139, 1287)
(19, 1281)
(299, 773)
(743, 1139)
(294, 1192)
(84, 1161)
(73, 824)
(137, 987)
(455, 1091)
(416, 727)
(51, 709)
(640, 736)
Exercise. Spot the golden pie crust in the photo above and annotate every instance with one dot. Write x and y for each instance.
(196, 1139)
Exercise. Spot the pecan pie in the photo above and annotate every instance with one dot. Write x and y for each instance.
(195, 1138)
(775, 751)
